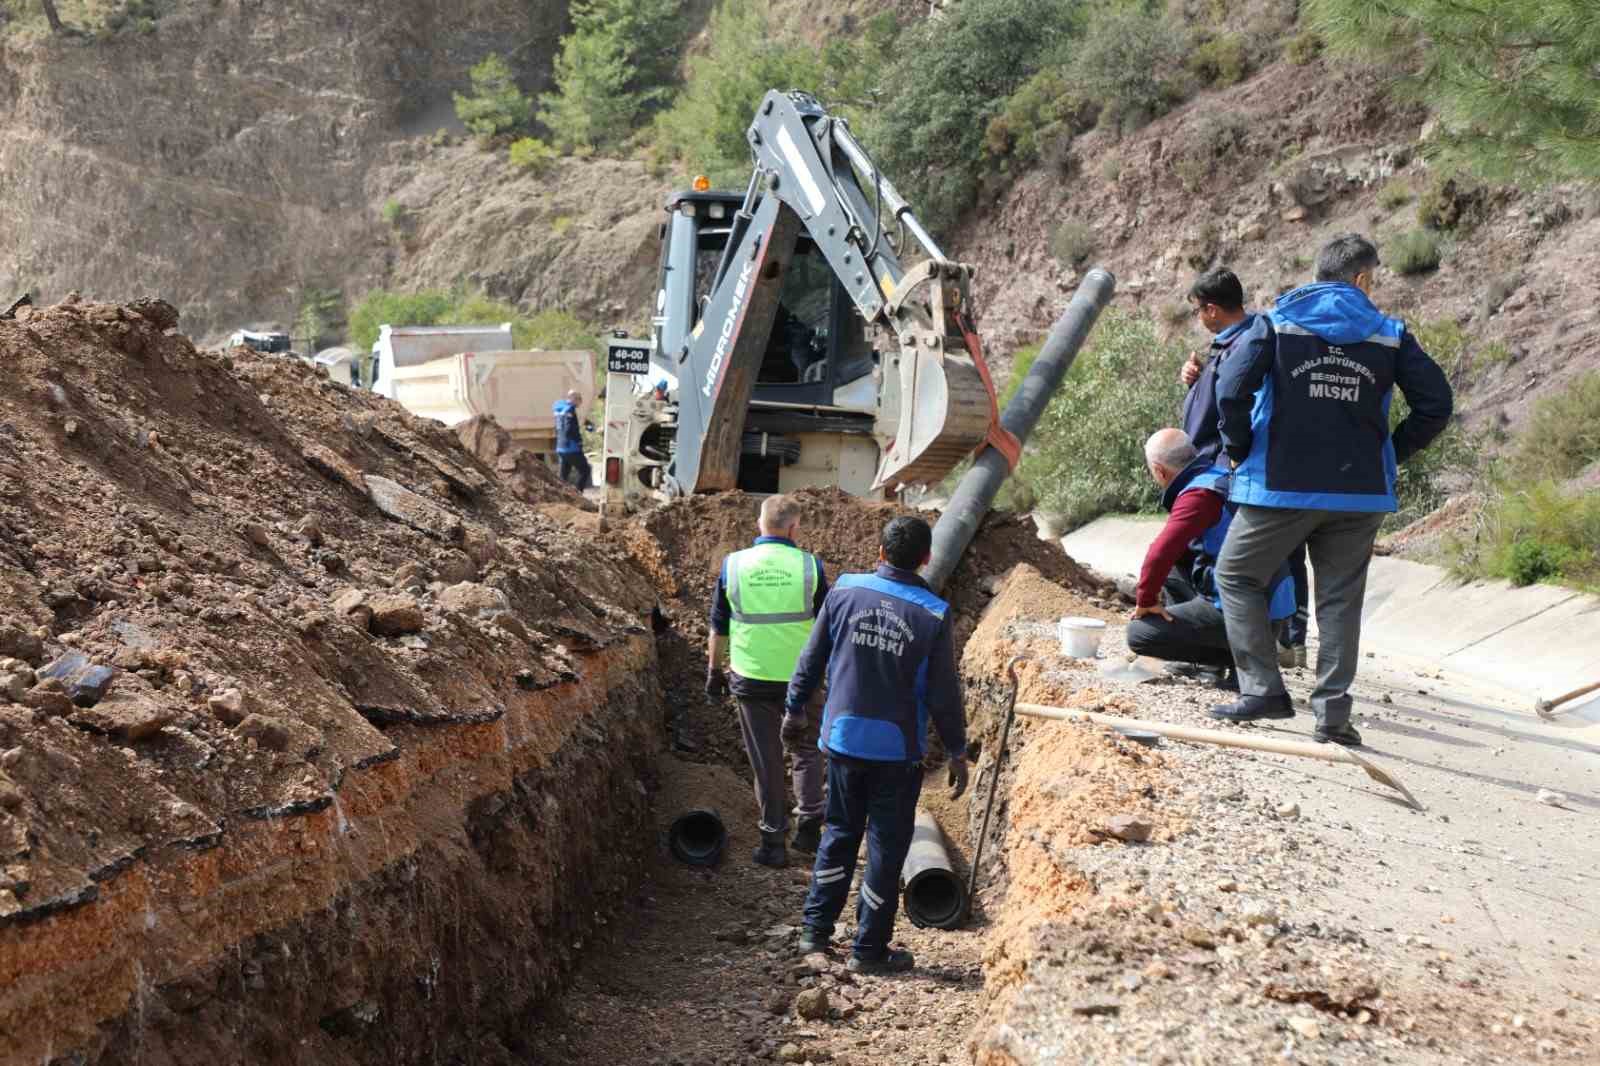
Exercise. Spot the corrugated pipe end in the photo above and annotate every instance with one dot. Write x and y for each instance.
(698, 837)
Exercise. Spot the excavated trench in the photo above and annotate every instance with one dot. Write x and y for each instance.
(328, 736)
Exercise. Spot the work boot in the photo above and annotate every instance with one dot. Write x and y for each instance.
(771, 852)
(1255, 708)
(811, 941)
(1337, 734)
(1185, 670)
(807, 835)
(892, 961)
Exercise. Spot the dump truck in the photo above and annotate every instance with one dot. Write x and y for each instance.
(453, 373)
(808, 331)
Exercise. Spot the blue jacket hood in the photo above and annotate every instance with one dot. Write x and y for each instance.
(1337, 312)
(562, 407)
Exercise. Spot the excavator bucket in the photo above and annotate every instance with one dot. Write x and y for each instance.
(935, 409)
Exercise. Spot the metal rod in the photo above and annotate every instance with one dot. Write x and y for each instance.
(994, 780)
(979, 486)
(891, 196)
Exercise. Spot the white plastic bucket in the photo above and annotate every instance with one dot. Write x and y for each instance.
(1080, 637)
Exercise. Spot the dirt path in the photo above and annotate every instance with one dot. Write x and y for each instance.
(700, 968)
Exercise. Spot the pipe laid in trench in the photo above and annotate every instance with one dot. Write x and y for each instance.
(933, 896)
(980, 484)
(697, 837)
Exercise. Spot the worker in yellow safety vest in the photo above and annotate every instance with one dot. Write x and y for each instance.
(766, 600)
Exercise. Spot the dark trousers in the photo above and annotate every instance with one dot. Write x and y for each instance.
(575, 469)
(761, 720)
(1196, 634)
(878, 800)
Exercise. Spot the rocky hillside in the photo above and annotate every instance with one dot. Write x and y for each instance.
(240, 155)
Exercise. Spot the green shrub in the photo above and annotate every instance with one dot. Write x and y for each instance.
(549, 329)
(496, 106)
(1426, 480)
(1126, 62)
(532, 155)
(1071, 243)
(1304, 47)
(1500, 290)
(1395, 195)
(1448, 204)
(1111, 168)
(1045, 108)
(1086, 456)
(394, 213)
(949, 77)
(1495, 354)
(1220, 61)
(1537, 532)
(1416, 252)
(1563, 435)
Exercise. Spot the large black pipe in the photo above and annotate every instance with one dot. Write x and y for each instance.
(979, 486)
(933, 895)
(697, 837)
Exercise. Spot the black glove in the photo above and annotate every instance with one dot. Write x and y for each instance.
(716, 685)
(958, 776)
(793, 730)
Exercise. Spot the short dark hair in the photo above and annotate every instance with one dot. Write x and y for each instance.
(1347, 255)
(1219, 286)
(906, 541)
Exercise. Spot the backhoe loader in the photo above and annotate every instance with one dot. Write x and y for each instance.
(807, 332)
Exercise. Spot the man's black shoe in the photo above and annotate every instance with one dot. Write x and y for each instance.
(807, 835)
(1255, 708)
(771, 852)
(1343, 734)
(812, 942)
(893, 961)
(1184, 670)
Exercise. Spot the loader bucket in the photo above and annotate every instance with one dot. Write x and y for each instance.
(935, 409)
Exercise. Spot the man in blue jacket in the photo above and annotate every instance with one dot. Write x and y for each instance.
(569, 441)
(1218, 300)
(1305, 425)
(883, 640)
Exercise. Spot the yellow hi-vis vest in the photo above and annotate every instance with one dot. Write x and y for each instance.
(770, 589)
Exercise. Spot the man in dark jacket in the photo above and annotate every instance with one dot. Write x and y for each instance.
(883, 640)
(1218, 300)
(1305, 425)
(569, 441)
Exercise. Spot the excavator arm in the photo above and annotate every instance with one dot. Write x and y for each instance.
(936, 403)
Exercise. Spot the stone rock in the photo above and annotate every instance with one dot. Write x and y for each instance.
(352, 606)
(48, 697)
(310, 529)
(268, 732)
(395, 615)
(11, 796)
(401, 504)
(412, 575)
(1289, 811)
(332, 465)
(480, 601)
(1091, 1009)
(1258, 912)
(1306, 1028)
(778, 1003)
(230, 706)
(790, 1053)
(812, 1004)
(11, 758)
(86, 684)
(1199, 936)
(1129, 828)
(454, 567)
(256, 534)
(14, 686)
(816, 962)
(125, 715)
(1552, 799)
(480, 545)
(18, 643)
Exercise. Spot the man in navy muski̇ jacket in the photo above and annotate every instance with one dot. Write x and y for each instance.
(883, 639)
(1305, 426)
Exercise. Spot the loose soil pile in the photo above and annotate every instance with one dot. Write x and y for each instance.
(223, 577)
(682, 545)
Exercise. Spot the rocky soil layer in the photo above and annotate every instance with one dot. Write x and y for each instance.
(307, 721)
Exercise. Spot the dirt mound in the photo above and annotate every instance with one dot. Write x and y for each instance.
(682, 544)
(227, 580)
(529, 478)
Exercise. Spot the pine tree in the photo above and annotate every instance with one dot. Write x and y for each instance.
(615, 68)
(1515, 83)
(496, 105)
